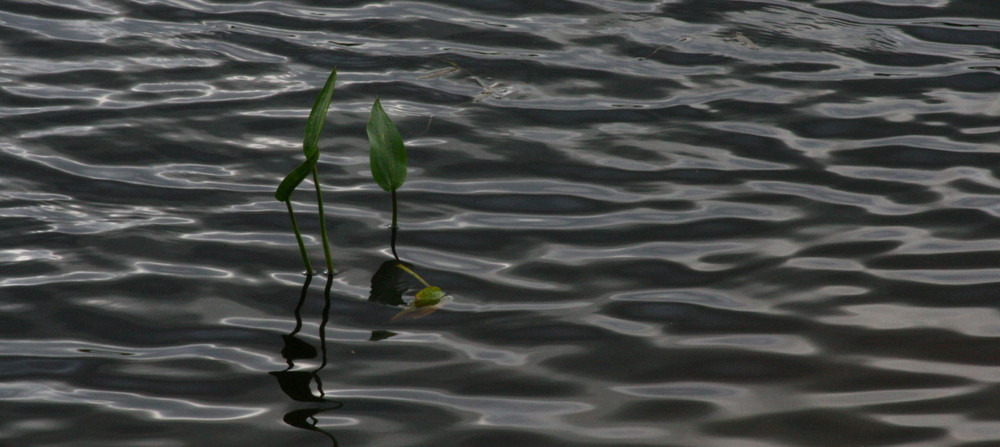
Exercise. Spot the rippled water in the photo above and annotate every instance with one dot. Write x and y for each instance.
(684, 223)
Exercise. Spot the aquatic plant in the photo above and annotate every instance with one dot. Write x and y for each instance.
(388, 166)
(310, 146)
(392, 280)
(425, 302)
(387, 159)
(429, 295)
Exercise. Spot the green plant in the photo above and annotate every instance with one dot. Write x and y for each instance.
(314, 125)
(429, 295)
(390, 282)
(387, 158)
(425, 302)
(388, 166)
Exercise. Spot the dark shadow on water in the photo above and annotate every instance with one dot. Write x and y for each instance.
(299, 384)
(306, 420)
(393, 279)
(390, 283)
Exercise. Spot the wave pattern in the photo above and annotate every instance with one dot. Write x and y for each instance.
(754, 223)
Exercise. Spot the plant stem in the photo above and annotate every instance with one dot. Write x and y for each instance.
(414, 274)
(395, 226)
(298, 308)
(298, 237)
(322, 224)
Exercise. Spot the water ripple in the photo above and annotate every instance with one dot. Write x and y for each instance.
(492, 411)
(167, 175)
(691, 223)
(156, 407)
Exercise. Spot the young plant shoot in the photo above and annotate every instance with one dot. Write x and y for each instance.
(429, 295)
(427, 300)
(314, 125)
(388, 158)
(388, 165)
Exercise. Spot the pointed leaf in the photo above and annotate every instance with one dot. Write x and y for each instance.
(292, 180)
(388, 156)
(318, 116)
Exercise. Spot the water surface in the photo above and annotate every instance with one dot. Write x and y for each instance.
(673, 223)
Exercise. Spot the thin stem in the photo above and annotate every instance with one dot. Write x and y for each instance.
(298, 307)
(298, 237)
(395, 226)
(414, 274)
(322, 224)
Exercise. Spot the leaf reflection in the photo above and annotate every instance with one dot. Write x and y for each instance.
(390, 283)
(306, 420)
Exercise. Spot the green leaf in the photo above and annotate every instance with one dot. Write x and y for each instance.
(310, 144)
(292, 180)
(429, 296)
(388, 156)
(416, 310)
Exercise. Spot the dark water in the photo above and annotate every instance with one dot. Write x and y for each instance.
(676, 223)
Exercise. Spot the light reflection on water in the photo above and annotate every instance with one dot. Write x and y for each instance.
(658, 223)
(156, 408)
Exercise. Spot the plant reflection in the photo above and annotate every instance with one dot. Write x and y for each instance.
(306, 420)
(298, 384)
(391, 281)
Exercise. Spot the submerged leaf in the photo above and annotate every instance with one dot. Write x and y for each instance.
(292, 180)
(388, 156)
(414, 311)
(741, 40)
(429, 296)
(318, 116)
(439, 73)
(314, 125)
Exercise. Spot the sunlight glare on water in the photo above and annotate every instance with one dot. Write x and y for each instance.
(671, 223)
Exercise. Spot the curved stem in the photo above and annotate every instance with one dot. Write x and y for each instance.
(298, 307)
(322, 223)
(412, 273)
(395, 226)
(298, 237)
